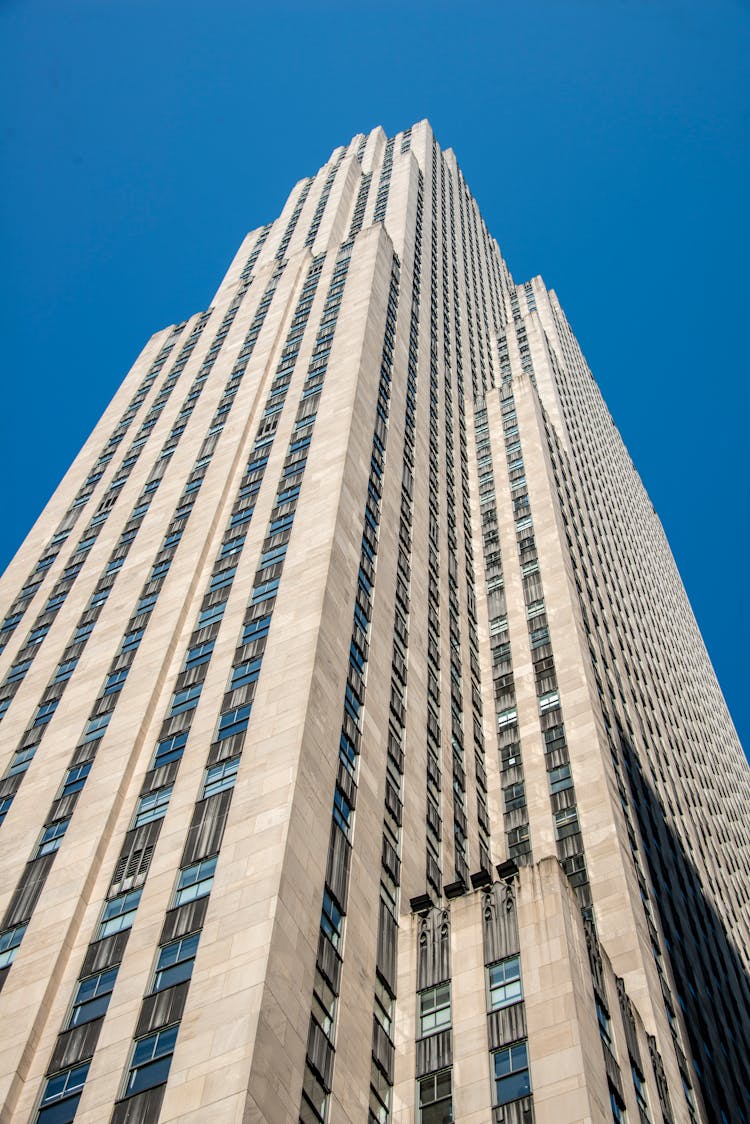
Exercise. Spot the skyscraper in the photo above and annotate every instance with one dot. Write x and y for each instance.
(362, 758)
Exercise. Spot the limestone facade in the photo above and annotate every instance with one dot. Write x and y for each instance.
(361, 756)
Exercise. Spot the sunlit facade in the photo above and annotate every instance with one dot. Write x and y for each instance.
(362, 757)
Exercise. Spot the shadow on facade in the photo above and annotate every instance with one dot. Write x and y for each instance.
(712, 1000)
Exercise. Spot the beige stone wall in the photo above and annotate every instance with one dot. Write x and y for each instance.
(241, 1048)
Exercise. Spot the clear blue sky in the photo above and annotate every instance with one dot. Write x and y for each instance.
(605, 141)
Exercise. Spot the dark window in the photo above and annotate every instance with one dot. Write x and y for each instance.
(152, 1058)
(201, 653)
(62, 1094)
(92, 997)
(331, 920)
(9, 943)
(233, 722)
(511, 1066)
(115, 681)
(436, 1098)
(170, 749)
(175, 963)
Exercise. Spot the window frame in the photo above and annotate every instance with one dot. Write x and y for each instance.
(440, 1098)
(513, 1071)
(202, 883)
(437, 1015)
(66, 1091)
(51, 837)
(171, 971)
(96, 1004)
(152, 806)
(503, 985)
(108, 925)
(225, 778)
(163, 1040)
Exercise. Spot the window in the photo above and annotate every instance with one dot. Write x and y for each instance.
(95, 728)
(265, 590)
(515, 796)
(18, 671)
(507, 717)
(436, 1098)
(380, 1095)
(195, 881)
(152, 806)
(175, 963)
(689, 1096)
(434, 1009)
(560, 778)
(201, 653)
(575, 868)
(21, 760)
(233, 722)
(146, 604)
(347, 753)
(211, 615)
(52, 837)
(245, 673)
(92, 997)
(511, 1066)
(618, 1108)
(83, 632)
(518, 840)
(243, 515)
(566, 822)
(65, 670)
(504, 980)
(131, 640)
(115, 681)
(9, 942)
(256, 629)
(152, 1058)
(232, 546)
(170, 749)
(62, 1094)
(220, 777)
(222, 579)
(539, 637)
(277, 554)
(45, 712)
(5, 803)
(331, 920)
(605, 1027)
(324, 1004)
(119, 913)
(640, 1091)
(383, 1006)
(342, 813)
(314, 1098)
(186, 699)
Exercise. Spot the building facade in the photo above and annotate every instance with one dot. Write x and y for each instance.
(362, 759)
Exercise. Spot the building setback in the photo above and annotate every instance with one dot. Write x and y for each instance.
(362, 759)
